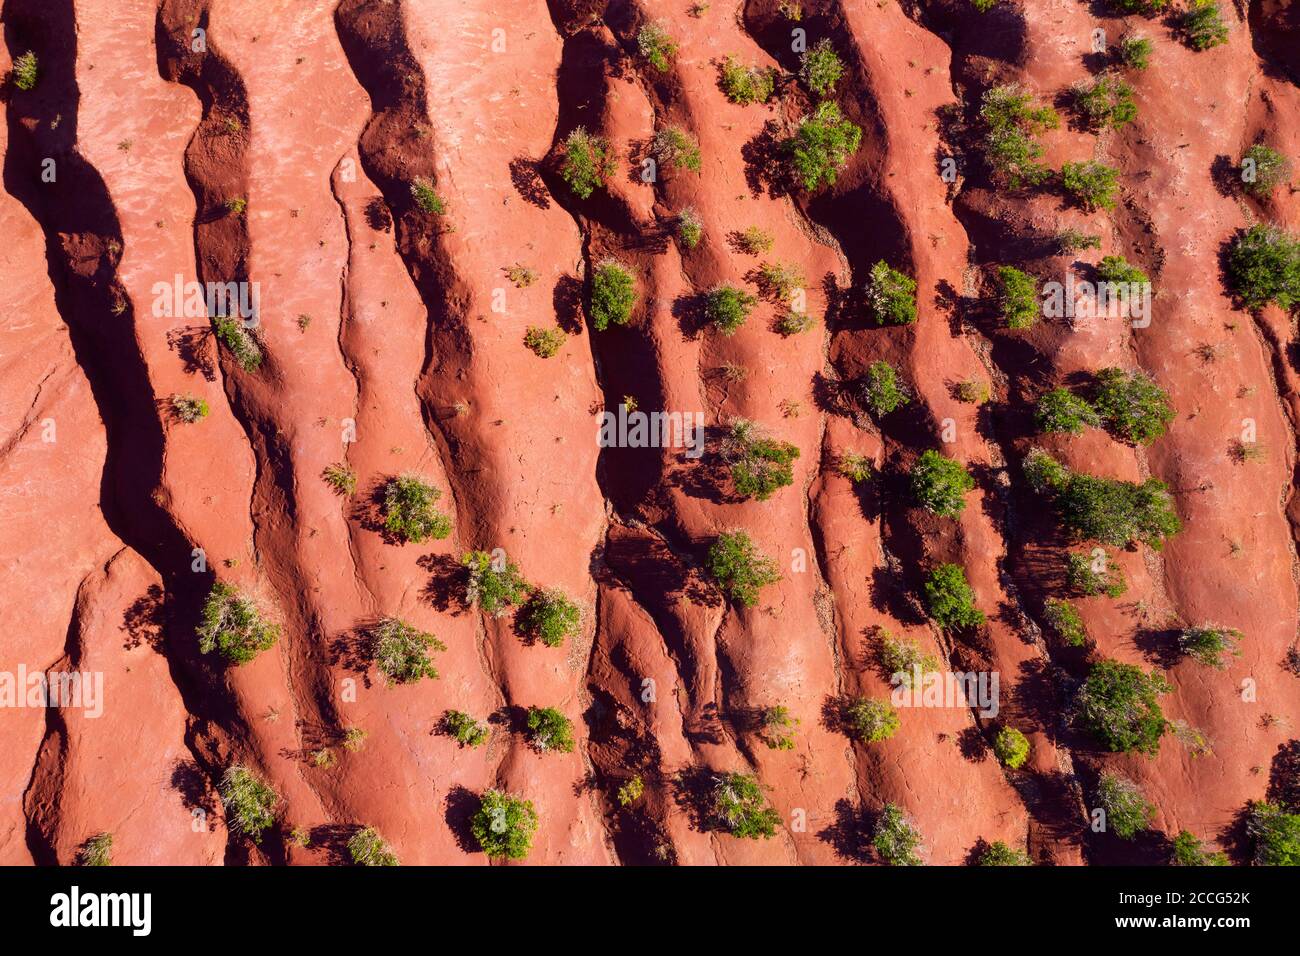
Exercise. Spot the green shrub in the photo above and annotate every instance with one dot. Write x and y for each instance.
(1276, 834)
(1133, 406)
(367, 848)
(870, 720)
(1135, 52)
(656, 46)
(1117, 271)
(1190, 851)
(236, 206)
(467, 731)
(727, 308)
(491, 590)
(881, 391)
(794, 323)
(97, 851)
(1264, 266)
(1208, 643)
(891, 296)
(1118, 706)
(549, 731)
(587, 162)
(689, 228)
(1267, 169)
(1061, 411)
(1011, 125)
(1108, 510)
(983, 6)
(1070, 241)
(939, 484)
(1148, 7)
(901, 658)
(25, 71)
(896, 838)
(504, 825)
(741, 807)
(754, 240)
(1082, 576)
(676, 150)
(759, 465)
(999, 854)
(409, 511)
(613, 294)
(242, 343)
(1011, 747)
(854, 466)
(341, 478)
(1092, 183)
(233, 626)
(972, 391)
(401, 652)
(739, 569)
(631, 792)
(189, 409)
(1108, 101)
(521, 275)
(1044, 473)
(1063, 618)
(821, 147)
(949, 600)
(250, 803)
(747, 84)
(426, 198)
(1127, 810)
(778, 280)
(550, 617)
(821, 68)
(1203, 25)
(1017, 297)
(544, 342)
(777, 727)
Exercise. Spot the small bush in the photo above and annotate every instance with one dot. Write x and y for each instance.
(401, 652)
(250, 803)
(759, 465)
(189, 409)
(984, 6)
(631, 792)
(504, 825)
(896, 838)
(1276, 834)
(1105, 509)
(939, 484)
(239, 340)
(1061, 411)
(1011, 124)
(1203, 25)
(795, 323)
(741, 807)
(777, 728)
(354, 739)
(755, 241)
(882, 392)
(1017, 297)
(853, 466)
(25, 72)
(1127, 810)
(1091, 183)
(727, 308)
(1190, 851)
(1108, 101)
(367, 848)
(1118, 706)
(821, 68)
(545, 343)
(236, 206)
(747, 84)
(550, 617)
(656, 46)
(1133, 406)
(1063, 618)
(1011, 747)
(871, 721)
(613, 294)
(891, 296)
(1209, 643)
(521, 275)
(1135, 52)
(97, 851)
(1263, 170)
(739, 569)
(341, 478)
(972, 391)
(1083, 577)
(1070, 241)
(233, 626)
(1044, 473)
(1117, 271)
(492, 591)
(676, 150)
(999, 854)
(689, 228)
(821, 147)
(467, 731)
(1147, 7)
(409, 511)
(902, 659)
(587, 162)
(949, 600)
(778, 280)
(549, 731)
(427, 198)
(1264, 266)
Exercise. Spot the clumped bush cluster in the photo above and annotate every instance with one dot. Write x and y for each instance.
(821, 146)
(549, 731)
(901, 658)
(739, 569)
(1093, 184)
(1065, 621)
(409, 512)
(367, 848)
(939, 484)
(895, 837)
(999, 854)
(727, 308)
(1127, 810)
(550, 617)
(241, 342)
(1118, 705)
(1209, 643)
(1011, 747)
(504, 825)
(1263, 170)
(1203, 25)
(949, 600)
(544, 343)
(747, 84)
(821, 68)
(1108, 510)
(491, 589)
(1011, 124)
(1061, 411)
(232, 625)
(1083, 576)
(1264, 266)
(674, 148)
(741, 807)
(250, 803)
(1106, 102)
(870, 720)
(586, 162)
(882, 393)
(891, 295)
(613, 294)
(466, 731)
(656, 46)
(1133, 406)
(777, 727)
(760, 465)
(401, 651)
(1017, 297)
